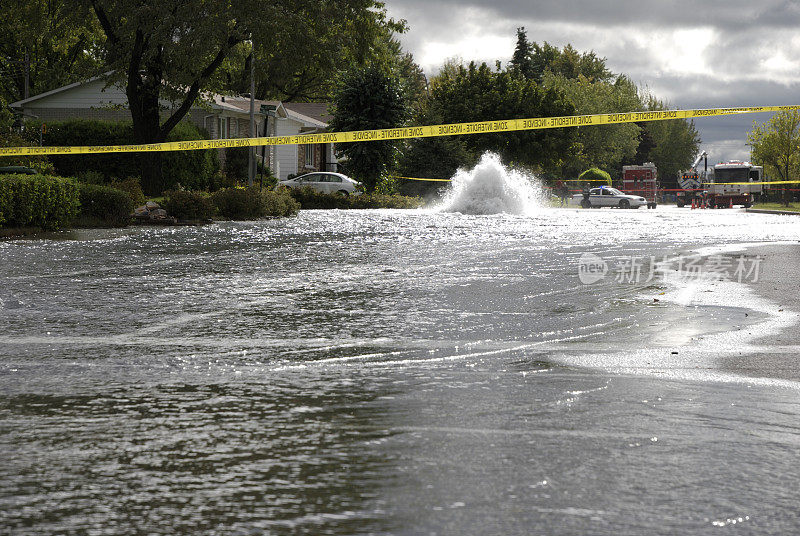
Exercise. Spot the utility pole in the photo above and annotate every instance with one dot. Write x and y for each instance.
(27, 70)
(264, 149)
(251, 160)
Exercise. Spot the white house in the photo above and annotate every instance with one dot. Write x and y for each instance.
(220, 115)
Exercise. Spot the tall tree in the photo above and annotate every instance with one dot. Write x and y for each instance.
(521, 60)
(339, 41)
(170, 50)
(567, 62)
(604, 146)
(368, 99)
(675, 143)
(478, 93)
(775, 144)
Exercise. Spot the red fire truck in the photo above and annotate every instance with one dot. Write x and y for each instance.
(642, 181)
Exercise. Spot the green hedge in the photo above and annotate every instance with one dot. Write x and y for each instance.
(595, 174)
(37, 201)
(189, 205)
(252, 204)
(310, 198)
(191, 169)
(104, 206)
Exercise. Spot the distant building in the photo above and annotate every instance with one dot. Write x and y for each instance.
(221, 116)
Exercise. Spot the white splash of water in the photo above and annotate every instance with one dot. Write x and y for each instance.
(492, 188)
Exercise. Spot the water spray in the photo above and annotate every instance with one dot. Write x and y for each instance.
(492, 188)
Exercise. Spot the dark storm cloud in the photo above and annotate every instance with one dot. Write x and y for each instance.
(681, 13)
(659, 44)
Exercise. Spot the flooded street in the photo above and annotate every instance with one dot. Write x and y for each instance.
(392, 372)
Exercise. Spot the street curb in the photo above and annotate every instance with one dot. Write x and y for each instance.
(781, 212)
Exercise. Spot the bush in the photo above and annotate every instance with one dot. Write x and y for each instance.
(11, 139)
(133, 187)
(236, 159)
(191, 169)
(251, 204)
(104, 206)
(385, 201)
(38, 201)
(279, 204)
(91, 177)
(266, 177)
(186, 205)
(595, 174)
(310, 199)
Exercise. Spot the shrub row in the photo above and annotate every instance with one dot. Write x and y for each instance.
(104, 206)
(231, 203)
(310, 198)
(191, 169)
(37, 201)
(186, 205)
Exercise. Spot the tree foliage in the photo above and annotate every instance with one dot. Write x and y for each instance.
(173, 49)
(521, 61)
(477, 93)
(775, 144)
(368, 99)
(675, 143)
(604, 146)
(533, 61)
(299, 47)
(61, 40)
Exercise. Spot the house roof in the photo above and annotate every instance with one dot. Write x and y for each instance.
(23, 102)
(218, 102)
(314, 110)
(308, 122)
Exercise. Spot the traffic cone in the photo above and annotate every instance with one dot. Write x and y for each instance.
(693, 206)
(731, 204)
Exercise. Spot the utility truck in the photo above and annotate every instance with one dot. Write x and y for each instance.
(691, 182)
(735, 183)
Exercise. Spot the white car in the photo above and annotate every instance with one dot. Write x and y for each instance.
(325, 182)
(605, 196)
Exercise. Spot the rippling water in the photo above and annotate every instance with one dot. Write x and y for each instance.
(403, 372)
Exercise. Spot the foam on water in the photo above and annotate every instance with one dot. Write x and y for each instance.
(492, 188)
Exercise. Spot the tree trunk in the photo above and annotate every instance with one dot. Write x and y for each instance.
(152, 178)
(143, 99)
(786, 193)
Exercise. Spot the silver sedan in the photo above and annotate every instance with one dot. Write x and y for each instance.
(325, 182)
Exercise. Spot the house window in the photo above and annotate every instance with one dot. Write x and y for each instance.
(309, 155)
(220, 133)
(234, 129)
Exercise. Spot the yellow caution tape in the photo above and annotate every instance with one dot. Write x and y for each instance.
(420, 179)
(448, 180)
(479, 127)
(749, 183)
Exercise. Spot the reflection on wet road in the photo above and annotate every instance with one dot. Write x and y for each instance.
(397, 372)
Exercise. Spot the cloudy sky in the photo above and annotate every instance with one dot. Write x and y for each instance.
(694, 54)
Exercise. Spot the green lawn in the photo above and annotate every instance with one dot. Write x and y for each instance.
(793, 207)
